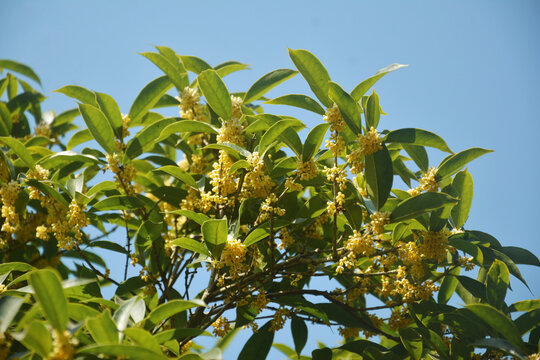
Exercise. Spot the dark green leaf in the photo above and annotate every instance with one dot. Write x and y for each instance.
(6, 123)
(456, 162)
(322, 354)
(528, 321)
(216, 93)
(99, 126)
(520, 255)
(314, 72)
(419, 156)
(364, 86)
(313, 141)
(50, 295)
(148, 97)
(448, 286)
(215, 235)
(259, 344)
(300, 101)
(266, 83)
(379, 176)
(500, 344)
(420, 137)
(119, 202)
(498, 322)
(349, 109)
(412, 341)
(420, 204)
(299, 332)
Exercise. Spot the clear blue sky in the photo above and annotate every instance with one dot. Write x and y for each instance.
(473, 77)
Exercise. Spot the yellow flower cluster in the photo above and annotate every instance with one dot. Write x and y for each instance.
(357, 245)
(221, 326)
(411, 257)
(434, 244)
(197, 166)
(378, 220)
(348, 332)
(4, 171)
(292, 186)
(123, 174)
(190, 105)
(76, 220)
(315, 230)
(62, 346)
(306, 170)
(286, 239)
(333, 116)
(222, 182)
(269, 206)
(399, 318)
(42, 129)
(280, 317)
(256, 182)
(337, 175)
(231, 132)
(233, 256)
(260, 301)
(237, 103)
(9, 194)
(367, 144)
(427, 183)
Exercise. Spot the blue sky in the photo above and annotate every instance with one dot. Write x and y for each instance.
(473, 76)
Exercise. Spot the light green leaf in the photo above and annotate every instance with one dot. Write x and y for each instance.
(464, 189)
(498, 279)
(448, 286)
(37, 338)
(314, 72)
(297, 100)
(78, 138)
(19, 149)
(414, 136)
(118, 202)
(19, 68)
(379, 176)
(148, 97)
(99, 126)
(275, 130)
(364, 86)
(233, 150)
(130, 351)
(9, 307)
(412, 341)
(50, 295)
(145, 139)
(215, 235)
(110, 108)
(172, 68)
(420, 204)
(187, 126)
(178, 173)
(349, 109)
(80, 312)
(143, 339)
(266, 83)
(524, 305)
(456, 162)
(228, 67)
(6, 123)
(373, 111)
(498, 322)
(46, 189)
(199, 218)
(79, 93)
(216, 94)
(258, 345)
(194, 64)
(313, 141)
(62, 158)
(103, 329)
(133, 308)
(240, 164)
(191, 245)
(172, 307)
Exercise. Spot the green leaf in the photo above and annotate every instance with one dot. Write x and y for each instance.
(109, 245)
(456, 162)
(178, 173)
(110, 108)
(287, 351)
(233, 150)
(170, 308)
(414, 136)
(528, 321)
(133, 308)
(314, 72)
(313, 141)
(228, 67)
(524, 305)
(240, 164)
(19, 149)
(259, 344)
(379, 176)
(19, 68)
(520, 256)
(412, 341)
(373, 111)
(349, 109)
(6, 123)
(215, 235)
(99, 126)
(130, 351)
(199, 218)
(322, 354)
(80, 312)
(172, 68)
(46, 189)
(419, 156)
(50, 295)
(266, 83)
(216, 94)
(299, 332)
(364, 86)
(468, 247)
(9, 307)
(103, 329)
(143, 339)
(79, 93)
(62, 158)
(498, 279)
(118, 202)
(273, 133)
(78, 138)
(474, 287)
(187, 126)
(148, 97)
(498, 322)
(194, 64)
(177, 333)
(256, 235)
(464, 188)
(420, 204)
(500, 344)
(37, 338)
(448, 286)
(191, 245)
(297, 100)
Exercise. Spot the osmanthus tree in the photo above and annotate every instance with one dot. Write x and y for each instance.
(229, 215)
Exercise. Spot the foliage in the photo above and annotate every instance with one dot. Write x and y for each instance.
(230, 217)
